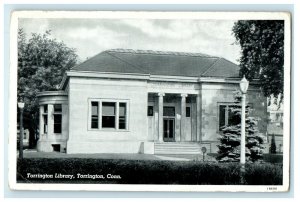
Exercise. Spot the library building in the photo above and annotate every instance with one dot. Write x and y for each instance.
(143, 101)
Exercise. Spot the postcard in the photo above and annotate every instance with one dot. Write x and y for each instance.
(149, 101)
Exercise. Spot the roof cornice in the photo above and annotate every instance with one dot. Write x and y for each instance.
(225, 80)
(52, 93)
(173, 78)
(116, 75)
(148, 77)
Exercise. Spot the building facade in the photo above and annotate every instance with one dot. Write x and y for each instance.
(275, 128)
(127, 101)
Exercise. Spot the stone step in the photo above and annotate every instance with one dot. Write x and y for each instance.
(177, 144)
(177, 148)
(177, 152)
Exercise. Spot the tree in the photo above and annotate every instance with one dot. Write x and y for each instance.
(229, 149)
(273, 145)
(42, 62)
(262, 44)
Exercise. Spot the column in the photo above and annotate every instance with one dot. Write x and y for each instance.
(64, 121)
(41, 120)
(117, 115)
(160, 116)
(183, 116)
(198, 107)
(50, 120)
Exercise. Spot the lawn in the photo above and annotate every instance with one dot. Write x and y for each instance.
(116, 171)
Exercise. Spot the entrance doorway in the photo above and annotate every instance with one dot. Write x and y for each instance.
(169, 130)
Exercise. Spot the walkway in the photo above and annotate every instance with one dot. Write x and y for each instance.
(35, 154)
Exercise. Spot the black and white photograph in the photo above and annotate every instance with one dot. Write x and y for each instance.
(139, 101)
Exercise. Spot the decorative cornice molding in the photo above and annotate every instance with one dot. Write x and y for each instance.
(173, 78)
(148, 77)
(224, 80)
(52, 93)
(107, 75)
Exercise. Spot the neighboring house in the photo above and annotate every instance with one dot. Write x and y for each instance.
(275, 127)
(127, 101)
(25, 136)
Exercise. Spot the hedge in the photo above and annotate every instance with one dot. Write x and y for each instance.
(148, 172)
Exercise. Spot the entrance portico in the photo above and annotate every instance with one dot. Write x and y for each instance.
(175, 117)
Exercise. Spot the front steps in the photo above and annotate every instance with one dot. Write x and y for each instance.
(177, 148)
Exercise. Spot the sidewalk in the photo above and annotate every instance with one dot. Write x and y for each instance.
(35, 154)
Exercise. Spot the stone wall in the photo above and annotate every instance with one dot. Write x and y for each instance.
(83, 139)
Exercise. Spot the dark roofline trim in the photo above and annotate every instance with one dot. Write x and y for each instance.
(152, 52)
(70, 73)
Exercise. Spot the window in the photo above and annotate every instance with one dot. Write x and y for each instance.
(122, 115)
(45, 119)
(57, 108)
(45, 108)
(226, 116)
(57, 118)
(56, 147)
(95, 115)
(188, 111)
(169, 111)
(222, 115)
(150, 110)
(45, 116)
(108, 114)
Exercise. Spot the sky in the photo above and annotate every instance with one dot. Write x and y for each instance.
(92, 36)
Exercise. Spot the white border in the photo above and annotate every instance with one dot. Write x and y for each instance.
(146, 15)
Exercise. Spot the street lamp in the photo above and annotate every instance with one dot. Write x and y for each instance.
(244, 83)
(21, 107)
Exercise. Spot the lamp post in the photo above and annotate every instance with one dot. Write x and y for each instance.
(21, 107)
(244, 83)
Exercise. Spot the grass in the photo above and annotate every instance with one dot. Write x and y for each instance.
(148, 172)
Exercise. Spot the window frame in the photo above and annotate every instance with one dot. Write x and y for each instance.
(125, 115)
(227, 104)
(45, 114)
(148, 110)
(91, 115)
(188, 108)
(57, 113)
(117, 114)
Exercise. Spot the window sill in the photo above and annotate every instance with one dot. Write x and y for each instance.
(108, 130)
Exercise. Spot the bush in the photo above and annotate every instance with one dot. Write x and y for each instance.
(264, 174)
(148, 172)
(273, 158)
